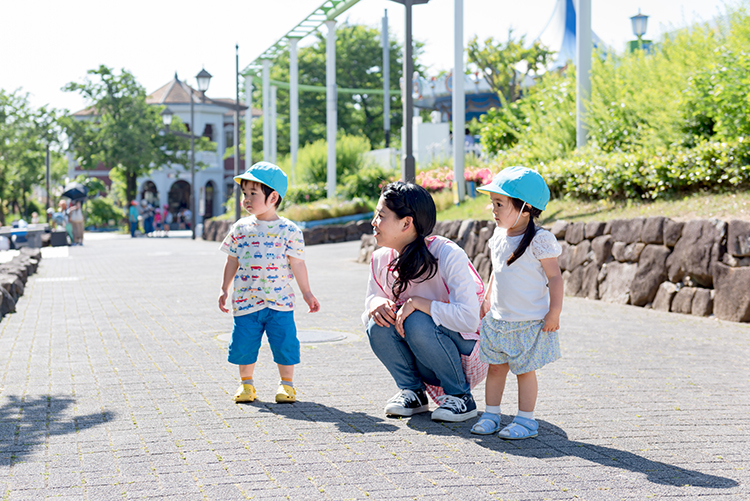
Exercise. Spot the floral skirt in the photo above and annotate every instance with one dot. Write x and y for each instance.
(521, 345)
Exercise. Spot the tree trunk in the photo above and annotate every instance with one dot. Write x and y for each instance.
(130, 187)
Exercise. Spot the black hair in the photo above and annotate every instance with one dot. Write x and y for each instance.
(415, 262)
(529, 232)
(267, 190)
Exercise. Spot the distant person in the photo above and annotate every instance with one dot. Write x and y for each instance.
(75, 215)
(157, 220)
(264, 253)
(62, 208)
(422, 308)
(133, 218)
(34, 218)
(148, 217)
(166, 218)
(187, 217)
(522, 313)
(469, 140)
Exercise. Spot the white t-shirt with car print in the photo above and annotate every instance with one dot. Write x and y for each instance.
(264, 277)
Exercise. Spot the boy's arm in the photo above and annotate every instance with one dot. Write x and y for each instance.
(552, 270)
(230, 270)
(299, 269)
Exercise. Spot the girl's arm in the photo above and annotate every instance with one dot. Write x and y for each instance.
(299, 269)
(230, 270)
(552, 270)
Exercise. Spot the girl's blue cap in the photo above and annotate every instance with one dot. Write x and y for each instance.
(521, 183)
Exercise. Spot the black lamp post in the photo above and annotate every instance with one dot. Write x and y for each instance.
(408, 171)
(204, 79)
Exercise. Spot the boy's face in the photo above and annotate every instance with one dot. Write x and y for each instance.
(254, 200)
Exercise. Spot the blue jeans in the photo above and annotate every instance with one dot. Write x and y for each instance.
(133, 228)
(428, 353)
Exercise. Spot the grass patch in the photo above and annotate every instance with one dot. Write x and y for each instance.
(724, 206)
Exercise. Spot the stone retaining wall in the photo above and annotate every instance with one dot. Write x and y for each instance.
(216, 230)
(700, 267)
(13, 277)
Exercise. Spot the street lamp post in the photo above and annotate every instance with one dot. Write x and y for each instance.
(408, 166)
(203, 78)
(640, 22)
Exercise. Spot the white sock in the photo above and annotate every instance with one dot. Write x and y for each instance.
(492, 409)
(527, 415)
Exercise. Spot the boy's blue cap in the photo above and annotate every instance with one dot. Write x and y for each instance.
(521, 183)
(266, 173)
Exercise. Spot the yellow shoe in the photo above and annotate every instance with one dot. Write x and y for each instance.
(245, 393)
(286, 394)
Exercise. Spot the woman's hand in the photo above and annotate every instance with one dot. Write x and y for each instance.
(383, 311)
(406, 309)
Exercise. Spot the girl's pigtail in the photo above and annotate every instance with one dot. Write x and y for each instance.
(528, 234)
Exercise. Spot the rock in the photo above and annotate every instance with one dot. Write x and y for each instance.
(627, 253)
(450, 229)
(484, 236)
(608, 228)
(672, 232)
(485, 270)
(15, 268)
(13, 284)
(438, 229)
(470, 245)
(7, 303)
(735, 262)
(602, 247)
(562, 259)
(664, 296)
(584, 282)
(314, 236)
(479, 260)
(732, 293)
(594, 229)
(466, 228)
(683, 300)
(573, 282)
(335, 234)
(614, 282)
(579, 254)
(627, 230)
(653, 230)
(559, 228)
(574, 233)
(651, 271)
(738, 238)
(703, 303)
(698, 247)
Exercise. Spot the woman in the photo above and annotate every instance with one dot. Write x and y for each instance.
(75, 215)
(422, 308)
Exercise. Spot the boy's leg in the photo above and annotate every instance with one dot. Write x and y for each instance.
(282, 336)
(243, 351)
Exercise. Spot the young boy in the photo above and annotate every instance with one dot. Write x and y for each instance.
(265, 252)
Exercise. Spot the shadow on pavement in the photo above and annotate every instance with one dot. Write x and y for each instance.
(553, 443)
(346, 422)
(25, 423)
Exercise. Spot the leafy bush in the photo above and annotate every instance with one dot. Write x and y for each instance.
(302, 194)
(102, 212)
(325, 209)
(312, 159)
(366, 182)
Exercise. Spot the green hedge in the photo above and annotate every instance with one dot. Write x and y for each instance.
(593, 174)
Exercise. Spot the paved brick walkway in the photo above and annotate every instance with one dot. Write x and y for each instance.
(113, 385)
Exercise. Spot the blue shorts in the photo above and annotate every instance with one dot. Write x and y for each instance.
(248, 332)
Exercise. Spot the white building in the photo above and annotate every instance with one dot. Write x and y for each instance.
(170, 184)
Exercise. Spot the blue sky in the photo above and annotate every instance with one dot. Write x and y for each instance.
(45, 44)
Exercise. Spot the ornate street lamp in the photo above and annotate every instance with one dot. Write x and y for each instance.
(166, 117)
(640, 22)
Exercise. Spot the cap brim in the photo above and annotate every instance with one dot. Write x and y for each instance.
(489, 188)
(247, 177)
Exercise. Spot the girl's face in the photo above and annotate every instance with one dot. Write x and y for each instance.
(389, 230)
(254, 200)
(506, 215)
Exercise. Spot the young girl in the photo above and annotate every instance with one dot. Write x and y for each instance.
(520, 332)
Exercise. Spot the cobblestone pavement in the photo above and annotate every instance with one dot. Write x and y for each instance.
(114, 385)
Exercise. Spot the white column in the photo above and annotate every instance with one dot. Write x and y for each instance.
(459, 103)
(248, 123)
(266, 109)
(293, 105)
(386, 81)
(272, 156)
(583, 68)
(331, 106)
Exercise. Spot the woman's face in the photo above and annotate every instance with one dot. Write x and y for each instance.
(390, 230)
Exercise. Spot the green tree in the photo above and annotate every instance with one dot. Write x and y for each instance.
(125, 133)
(359, 61)
(24, 134)
(505, 65)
